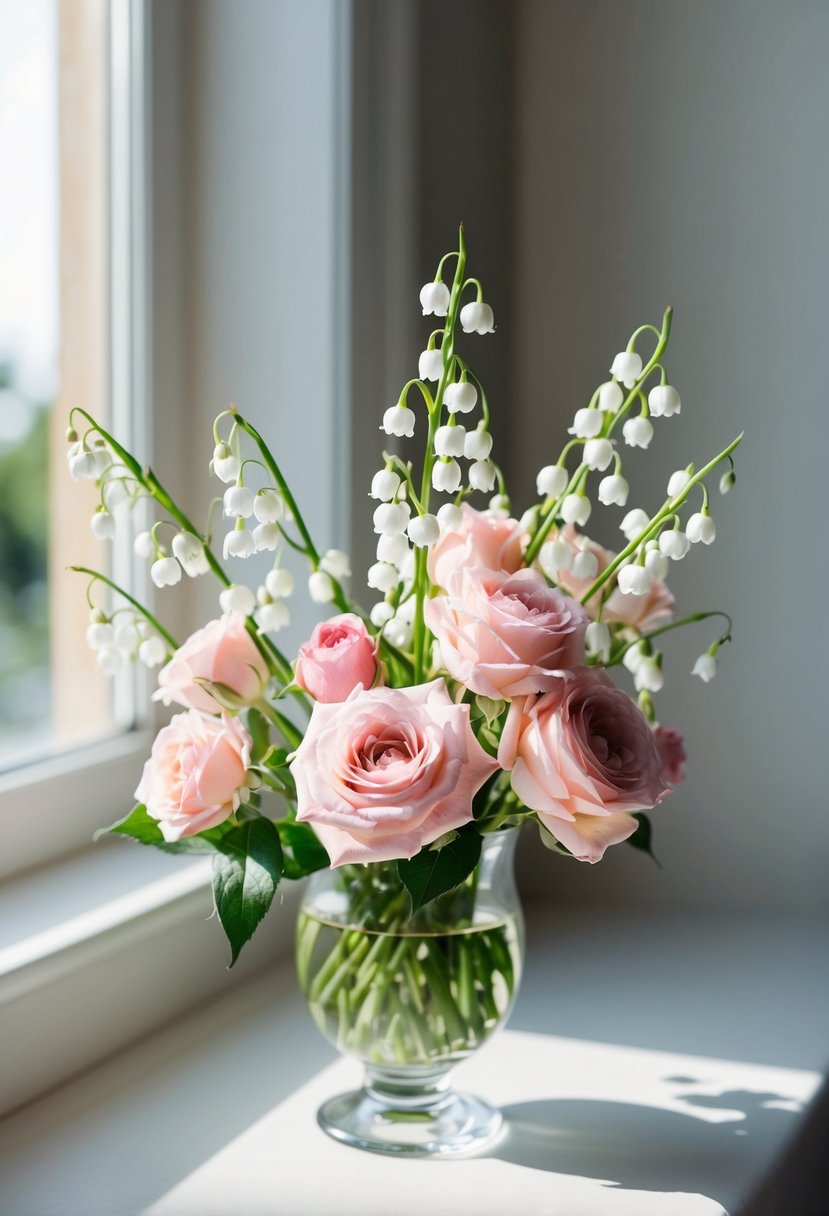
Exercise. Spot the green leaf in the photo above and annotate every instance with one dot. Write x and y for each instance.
(247, 867)
(431, 873)
(259, 732)
(226, 696)
(549, 841)
(490, 710)
(302, 849)
(641, 838)
(139, 825)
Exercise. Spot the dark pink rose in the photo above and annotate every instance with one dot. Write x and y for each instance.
(339, 655)
(671, 747)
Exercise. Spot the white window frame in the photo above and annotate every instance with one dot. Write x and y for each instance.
(53, 806)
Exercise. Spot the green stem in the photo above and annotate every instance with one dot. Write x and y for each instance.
(684, 620)
(148, 616)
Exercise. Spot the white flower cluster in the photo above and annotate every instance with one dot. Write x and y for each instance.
(123, 639)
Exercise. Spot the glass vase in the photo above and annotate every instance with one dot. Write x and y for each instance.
(411, 997)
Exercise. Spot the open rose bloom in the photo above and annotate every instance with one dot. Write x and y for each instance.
(502, 670)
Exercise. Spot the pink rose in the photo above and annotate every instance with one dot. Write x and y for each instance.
(483, 541)
(222, 652)
(388, 771)
(671, 747)
(583, 757)
(339, 655)
(195, 771)
(641, 612)
(507, 635)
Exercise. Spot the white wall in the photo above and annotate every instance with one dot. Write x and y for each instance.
(675, 153)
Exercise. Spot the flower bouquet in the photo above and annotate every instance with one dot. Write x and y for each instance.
(394, 759)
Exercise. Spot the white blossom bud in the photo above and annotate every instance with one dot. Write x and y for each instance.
(499, 505)
(391, 518)
(633, 656)
(381, 613)
(613, 490)
(399, 420)
(144, 546)
(434, 299)
(585, 564)
(110, 660)
(384, 485)
(449, 440)
(392, 549)
(266, 537)
(165, 572)
(678, 482)
(152, 651)
(586, 423)
(190, 552)
(461, 397)
(382, 576)
(225, 465)
(98, 634)
(598, 453)
(556, 556)
(634, 523)
(103, 525)
(407, 568)
(272, 617)
(446, 476)
(279, 583)
(406, 610)
(610, 397)
(634, 580)
(575, 509)
(238, 598)
(727, 482)
(627, 367)
(528, 519)
(336, 563)
(238, 501)
(268, 507)
(482, 476)
(450, 517)
(125, 637)
(398, 632)
(701, 528)
(674, 544)
(430, 365)
(424, 530)
(663, 401)
(477, 445)
(82, 463)
(648, 675)
(551, 481)
(597, 640)
(638, 432)
(705, 667)
(239, 543)
(320, 587)
(657, 562)
(477, 318)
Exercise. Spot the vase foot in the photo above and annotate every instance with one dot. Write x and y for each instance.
(376, 1122)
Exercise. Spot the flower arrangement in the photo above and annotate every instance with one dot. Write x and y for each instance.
(475, 694)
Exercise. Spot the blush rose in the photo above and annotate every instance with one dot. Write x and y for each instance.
(583, 757)
(483, 541)
(339, 655)
(223, 652)
(195, 772)
(388, 771)
(507, 635)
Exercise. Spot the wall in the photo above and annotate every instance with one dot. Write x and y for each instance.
(674, 153)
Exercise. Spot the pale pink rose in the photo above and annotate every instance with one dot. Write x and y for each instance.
(223, 652)
(339, 655)
(483, 541)
(640, 612)
(671, 747)
(388, 771)
(583, 758)
(507, 635)
(195, 771)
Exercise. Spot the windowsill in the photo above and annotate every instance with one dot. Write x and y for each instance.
(677, 1019)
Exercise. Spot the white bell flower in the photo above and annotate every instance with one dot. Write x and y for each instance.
(657, 562)
(398, 632)
(125, 637)
(239, 543)
(266, 537)
(336, 563)
(384, 485)
(382, 576)
(597, 640)
(648, 675)
(477, 445)
(279, 583)
(627, 367)
(637, 432)
(450, 517)
(701, 528)
(165, 572)
(634, 523)
(446, 476)
(613, 490)
(100, 633)
(392, 549)
(238, 502)
(586, 423)
(434, 299)
(674, 544)
(430, 365)
(190, 552)
(144, 546)
(272, 617)
(152, 652)
(268, 507)
(551, 481)
(575, 509)
(399, 420)
(663, 401)
(460, 397)
(391, 518)
(407, 568)
(449, 440)
(82, 464)
(482, 476)
(705, 667)
(423, 531)
(226, 465)
(110, 660)
(634, 580)
(406, 610)
(598, 453)
(238, 598)
(678, 482)
(477, 318)
(381, 613)
(320, 587)
(633, 656)
(585, 564)
(103, 525)
(556, 556)
(610, 397)
(528, 520)
(499, 505)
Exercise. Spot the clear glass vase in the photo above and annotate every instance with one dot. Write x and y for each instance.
(411, 997)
